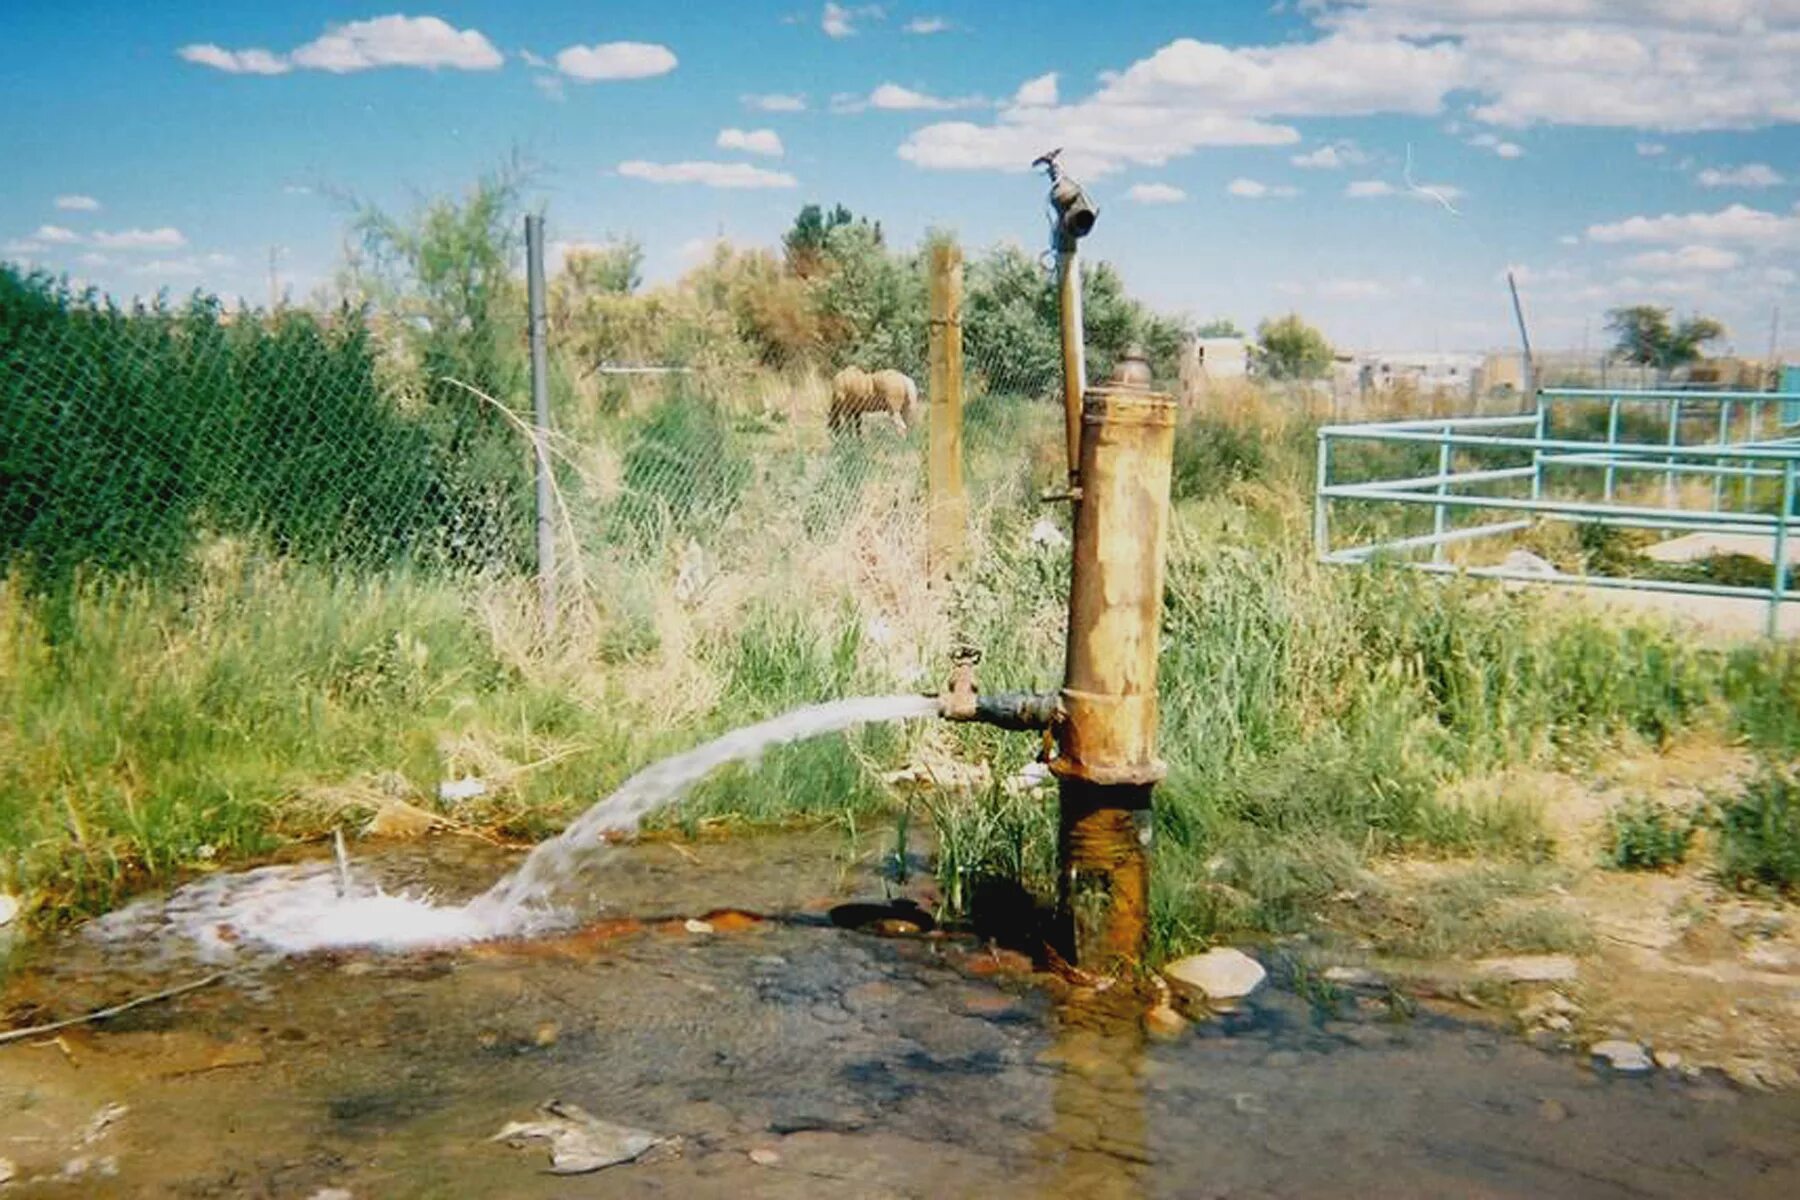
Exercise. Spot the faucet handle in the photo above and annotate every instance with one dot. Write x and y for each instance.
(958, 700)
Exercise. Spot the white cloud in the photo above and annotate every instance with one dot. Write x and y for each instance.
(1191, 94)
(1155, 193)
(21, 246)
(752, 141)
(235, 62)
(77, 203)
(1036, 93)
(1779, 276)
(839, 21)
(390, 41)
(1651, 149)
(1251, 189)
(925, 26)
(615, 60)
(56, 235)
(1641, 64)
(92, 259)
(185, 268)
(164, 238)
(1688, 258)
(1331, 157)
(1736, 223)
(1434, 193)
(891, 97)
(1568, 239)
(707, 174)
(1505, 149)
(776, 102)
(1750, 175)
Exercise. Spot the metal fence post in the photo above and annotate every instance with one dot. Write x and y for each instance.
(946, 504)
(1674, 440)
(540, 429)
(1321, 503)
(1440, 517)
(1778, 587)
(1612, 447)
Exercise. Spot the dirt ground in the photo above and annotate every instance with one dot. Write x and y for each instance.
(1701, 975)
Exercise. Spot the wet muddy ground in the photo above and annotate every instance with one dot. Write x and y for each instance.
(790, 1057)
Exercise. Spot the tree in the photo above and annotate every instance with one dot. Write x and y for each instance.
(1292, 349)
(804, 243)
(613, 269)
(1644, 335)
(1219, 327)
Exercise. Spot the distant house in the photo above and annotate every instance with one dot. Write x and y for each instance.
(1210, 360)
(1423, 370)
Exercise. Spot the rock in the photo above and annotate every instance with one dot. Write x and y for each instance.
(1553, 1110)
(1045, 533)
(546, 1034)
(579, 1141)
(1530, 968)
(1222, 973)
(395, 818)
(1163, 1023)
(455, 791)
(7, 1170)
(1668, 1060)
(1353, 977)
(762, 1156)
(9, 908)
(696, 926)
(1621, 1055)
(331, 1193)
(1527, 563)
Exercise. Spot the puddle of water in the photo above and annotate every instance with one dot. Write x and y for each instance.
(868, 1066)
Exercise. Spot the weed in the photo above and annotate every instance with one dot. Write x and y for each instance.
(1642, 835)
(1759, 833)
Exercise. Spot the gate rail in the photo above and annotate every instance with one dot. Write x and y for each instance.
(1750, 450)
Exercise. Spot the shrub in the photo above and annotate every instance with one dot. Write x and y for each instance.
(1211, 455)
(1759, 833)
(1645, 836)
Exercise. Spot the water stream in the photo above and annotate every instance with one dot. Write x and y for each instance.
(317, 906)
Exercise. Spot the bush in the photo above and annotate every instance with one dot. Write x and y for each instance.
(1211, 455)
(1759, 833)
(1645, 836)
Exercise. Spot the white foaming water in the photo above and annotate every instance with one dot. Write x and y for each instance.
(297, 909)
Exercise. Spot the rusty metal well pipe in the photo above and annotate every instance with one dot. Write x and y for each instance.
(1074, 348)
(1106, 758)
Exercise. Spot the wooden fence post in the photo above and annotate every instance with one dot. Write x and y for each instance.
(947, 505)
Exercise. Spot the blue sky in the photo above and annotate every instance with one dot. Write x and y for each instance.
(1248, 158)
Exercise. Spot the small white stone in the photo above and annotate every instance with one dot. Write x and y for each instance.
(1219, 974)
(9, 908)
(7, 1170)
(1353, 977)
(455, 791)
(1530, 968)
(693, 925)
(1621, 1055)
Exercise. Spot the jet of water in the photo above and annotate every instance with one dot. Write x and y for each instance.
(290, 910)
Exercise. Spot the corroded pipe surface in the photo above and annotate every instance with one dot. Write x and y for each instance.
(1108, 734)
(1106, 740)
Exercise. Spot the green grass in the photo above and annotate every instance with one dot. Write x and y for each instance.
(1313, 719)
